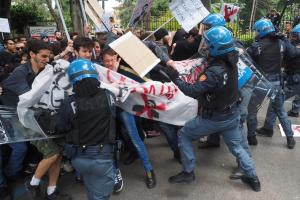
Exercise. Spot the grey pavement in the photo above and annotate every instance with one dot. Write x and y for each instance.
(278, 169)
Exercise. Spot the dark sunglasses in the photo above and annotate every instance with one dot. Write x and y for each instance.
(19, 48)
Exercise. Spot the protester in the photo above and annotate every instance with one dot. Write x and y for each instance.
(162, 38)
(58, 36)
(274, 16)
(7, 63)
(287, 29)
(268, 52)
(110, 61)
(20, 82)
(219, 114)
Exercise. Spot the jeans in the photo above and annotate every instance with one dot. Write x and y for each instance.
(228, 128)
(293, 89)
(15, 162)
(276, 109)
(246, 92)
(97, 169)
(2, 177)
(170, 132)
(130, 125)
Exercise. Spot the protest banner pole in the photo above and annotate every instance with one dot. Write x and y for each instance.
(83, 13)
(158, 28)
(2, 35)
(63, 20)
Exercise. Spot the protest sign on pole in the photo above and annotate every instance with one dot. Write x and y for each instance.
(4, 25)
(141, 9)
(230, 12)
(95, 13)
(135, 53)
(188, 13)
(35, 31)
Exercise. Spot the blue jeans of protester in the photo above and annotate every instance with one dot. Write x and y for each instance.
(170, 132)
(293, 89)
(246, 93)
(130, 125)
(228, 126)
(15, 162)
(96, 166)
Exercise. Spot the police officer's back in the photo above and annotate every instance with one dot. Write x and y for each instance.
(92, 130)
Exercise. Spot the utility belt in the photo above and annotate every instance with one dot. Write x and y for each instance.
(102, 150)
(221, 115)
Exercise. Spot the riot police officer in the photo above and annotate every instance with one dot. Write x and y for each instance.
(268, 52)
(92, 132)
(292, 71)
(217, 92)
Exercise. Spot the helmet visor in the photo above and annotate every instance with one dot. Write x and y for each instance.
(203, 49)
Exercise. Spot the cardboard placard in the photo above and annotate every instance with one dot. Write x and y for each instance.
(188, 13)
(141, 9)
(4, 25)
(295, 129)
(135, 53)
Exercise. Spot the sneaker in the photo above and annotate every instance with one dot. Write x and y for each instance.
(56, 195)
(265, 132)
(150, 179)
(182, 177)
(4, 195)
(253, 182)
(118, 181)
(292, 114)
(236, 174)
(207, 145)
(30, 169)
(290, 142)
(33, 190)
(252, 140)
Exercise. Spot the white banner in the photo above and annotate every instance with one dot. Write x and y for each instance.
(4, 25)
(229, 12)
(188, 12)
(141, 9)
(153, 100)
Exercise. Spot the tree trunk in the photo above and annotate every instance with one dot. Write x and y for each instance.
(56, 18)
(207, 3)
(5, 8)
(77, 18)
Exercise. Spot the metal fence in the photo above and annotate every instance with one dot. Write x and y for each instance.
(240, 28)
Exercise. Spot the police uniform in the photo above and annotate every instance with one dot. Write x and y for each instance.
(268, 52)
(90, 113)
(217, 93)
(292, 71)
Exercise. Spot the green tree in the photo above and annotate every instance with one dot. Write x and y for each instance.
(23, 15)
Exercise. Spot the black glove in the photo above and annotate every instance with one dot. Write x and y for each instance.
(172, 73)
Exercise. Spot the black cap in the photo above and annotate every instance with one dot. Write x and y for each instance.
(160, 33)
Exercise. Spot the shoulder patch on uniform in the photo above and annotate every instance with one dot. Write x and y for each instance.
(202, 78)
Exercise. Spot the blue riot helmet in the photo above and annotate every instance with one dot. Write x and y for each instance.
(295, 34)
(219, 41)
(214, 20)
(263, 27)
(80, 69)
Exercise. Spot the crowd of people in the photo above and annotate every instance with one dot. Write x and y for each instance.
(95, 134)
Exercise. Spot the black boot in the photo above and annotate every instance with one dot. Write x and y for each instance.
(253, 182)
(292, 114)
(265, 132)
(290, 142)
(252, 140)
(236, 174)
(150, 179)
(182, 177)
